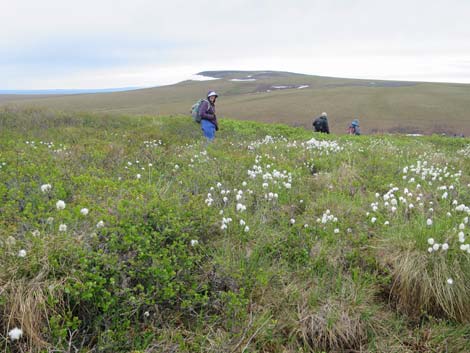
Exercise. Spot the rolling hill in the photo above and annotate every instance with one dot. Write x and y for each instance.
(294, 99)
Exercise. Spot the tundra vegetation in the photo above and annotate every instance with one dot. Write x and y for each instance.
(123, 233)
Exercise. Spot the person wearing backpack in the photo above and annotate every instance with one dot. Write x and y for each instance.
(209, 124)
(354, 129)
(320, 124)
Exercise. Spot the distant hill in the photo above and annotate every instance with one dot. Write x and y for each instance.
(292, 98)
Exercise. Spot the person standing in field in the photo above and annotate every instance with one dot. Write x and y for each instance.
(320, 124)
(209, 124)
(354, 129)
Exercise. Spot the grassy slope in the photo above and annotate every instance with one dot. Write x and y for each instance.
(385, 106)
(139, 284)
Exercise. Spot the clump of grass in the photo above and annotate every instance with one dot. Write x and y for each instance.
(435, 285)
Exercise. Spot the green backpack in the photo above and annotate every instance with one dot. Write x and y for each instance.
(195, 110)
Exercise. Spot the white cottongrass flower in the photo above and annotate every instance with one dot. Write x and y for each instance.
(373, 219)
(461, 226)
(36, 233)
(247, 229)
(194, 242)
(15, 334)
(244, 183)
(336, 231)
(63, 228)
(46, 188)
(292, 221)
(146, 314)
(223, 227)
(305, 225)
(386, 223)
(22, 253)
(393, 209)
(445, 246)
(84, 211)
(60, 205)
(241, 207)
(429, 222)
(50, 220)
(242, 222)
(225, 199)
(430, 250)
(450, 281)
(436, 246)
(430, 241)
(100, 224)
(265, 185)
(138, 176)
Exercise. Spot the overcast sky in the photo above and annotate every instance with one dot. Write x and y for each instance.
(48, 44)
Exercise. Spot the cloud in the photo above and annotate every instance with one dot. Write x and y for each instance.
(55, 40)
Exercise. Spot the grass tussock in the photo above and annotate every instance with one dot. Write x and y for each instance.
(421, 286)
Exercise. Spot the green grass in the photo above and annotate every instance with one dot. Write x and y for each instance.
(386, 107)
(313, 273)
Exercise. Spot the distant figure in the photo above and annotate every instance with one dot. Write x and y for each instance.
(320, 124)
(354, 129)
(209, 124)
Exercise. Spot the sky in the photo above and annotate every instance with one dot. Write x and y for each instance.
(65, 44)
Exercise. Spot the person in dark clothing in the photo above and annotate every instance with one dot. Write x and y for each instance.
(209, 124)
(320, 124)
(354, 129)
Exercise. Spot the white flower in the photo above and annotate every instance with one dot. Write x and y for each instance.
(461, 226)
(46, 188)
(146, 314)
(238, 197)
(242, 222)
(287, 185)
(411, 206)
(194, 242)
(138, 176)
(393, 209)
(15, 334)
(386, 223)
(265, 185)
(430, 241)
(225, 199)
(22, 253)
(429, 222)
(247, 229)
(36, 233)
(445, 246)
(450, 281)
(223, 227)
(219, 185)
(60, 205)
(244, 183)
(305, 225)
(241, 207)
(50, 220)
(449, 214)
(436, 246)
(177, 166)
(100, 224)
(373, 219)
(430, 250)
(336, 230)
(63, 228)
(84, 211)
(444, 195)
(292, 221)
(221, 212)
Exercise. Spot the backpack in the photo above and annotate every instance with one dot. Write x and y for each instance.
(320, 124)
(195, 111)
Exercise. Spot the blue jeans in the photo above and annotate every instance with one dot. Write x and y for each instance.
(208, 129)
